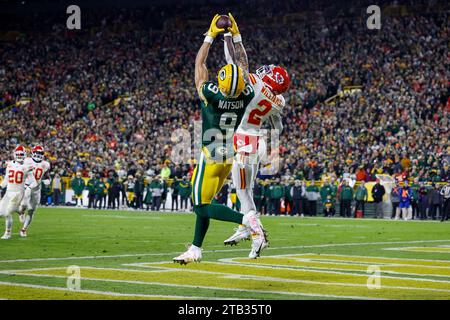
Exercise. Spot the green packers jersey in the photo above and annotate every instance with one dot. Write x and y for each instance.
(220, 118)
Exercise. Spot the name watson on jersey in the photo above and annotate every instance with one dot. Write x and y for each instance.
(231, 105)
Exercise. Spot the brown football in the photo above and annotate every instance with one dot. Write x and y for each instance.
(223, 22)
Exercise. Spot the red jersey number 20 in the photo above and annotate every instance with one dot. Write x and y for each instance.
(15, 177)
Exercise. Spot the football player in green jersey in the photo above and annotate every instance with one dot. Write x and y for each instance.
(223, 106)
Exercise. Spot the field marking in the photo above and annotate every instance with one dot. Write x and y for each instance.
(264, 278)
(300, 294)
(105, 293)
(228, 275)
(330, 271)
(227, 250)
(438, 249)
(122, 217)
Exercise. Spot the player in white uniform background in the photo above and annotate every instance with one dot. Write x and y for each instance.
(269, 83)
(17, 172)
(32, 196)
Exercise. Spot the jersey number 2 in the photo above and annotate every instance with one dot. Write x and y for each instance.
(15, 177)
(256, 114)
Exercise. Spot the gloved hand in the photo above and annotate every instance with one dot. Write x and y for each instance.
(234, 27)
(213, 31)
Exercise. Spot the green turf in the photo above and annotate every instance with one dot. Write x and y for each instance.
(68, 234)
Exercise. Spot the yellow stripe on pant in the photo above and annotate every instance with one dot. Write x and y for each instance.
(207, 180)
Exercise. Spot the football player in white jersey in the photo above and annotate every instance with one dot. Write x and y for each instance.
(269, 83)
(32, 196)
(17, 172)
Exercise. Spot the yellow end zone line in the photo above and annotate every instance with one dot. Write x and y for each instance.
(321, 270)
(96, 292)
(351, 256)
(299, 294)
(273, 267)
(237, 276)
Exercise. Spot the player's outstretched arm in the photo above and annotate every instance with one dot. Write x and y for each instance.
(201, 71)
(240, 53)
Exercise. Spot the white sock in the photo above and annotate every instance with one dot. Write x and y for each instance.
(28, 220)
(8, 223)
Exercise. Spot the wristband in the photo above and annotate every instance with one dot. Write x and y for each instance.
(208, 39)
(228, 34)
(237, 38)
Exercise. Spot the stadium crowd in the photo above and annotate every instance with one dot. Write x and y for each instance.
(105, 100)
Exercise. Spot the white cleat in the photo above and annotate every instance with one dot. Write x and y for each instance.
(259, 243)
(242, 233)
(23, 233)
(259, 237)
(6, 236)
(193, 254)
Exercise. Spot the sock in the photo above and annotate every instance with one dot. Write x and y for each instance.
(8, 223)
(213, 211)
(201, 227)
(224, 213)
(28, 220)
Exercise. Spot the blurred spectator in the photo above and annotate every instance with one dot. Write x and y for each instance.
(395, 200)
(435, 201)
(378, 192)
(345, 199)
(405, 202)
(312, 195)
(361, 196)
(77, 184)
(445, 193)
(56, 188)
(297, 193)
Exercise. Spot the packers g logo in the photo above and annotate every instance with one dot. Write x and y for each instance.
(222, 74)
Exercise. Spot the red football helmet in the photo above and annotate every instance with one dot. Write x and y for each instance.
(275, 77)
(37, 154)
(19, 153)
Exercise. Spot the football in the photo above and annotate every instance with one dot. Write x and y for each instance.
(223, 22)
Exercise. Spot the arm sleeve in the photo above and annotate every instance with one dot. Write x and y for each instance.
(33, 181)
(228, 57)
(276, 122)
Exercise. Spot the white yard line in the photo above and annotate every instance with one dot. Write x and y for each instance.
(331, 245)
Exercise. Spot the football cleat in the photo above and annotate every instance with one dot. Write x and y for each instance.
(193, 254)
(242, 233)
(259, 243)
(6, 236)
(23, 233)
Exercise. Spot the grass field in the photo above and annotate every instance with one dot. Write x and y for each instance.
(128, 255)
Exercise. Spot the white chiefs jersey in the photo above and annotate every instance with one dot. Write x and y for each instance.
(39, 170)
(16, 175)
(263, 105)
